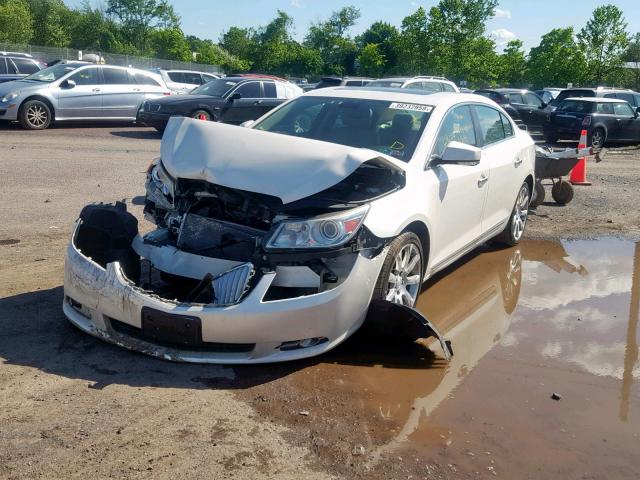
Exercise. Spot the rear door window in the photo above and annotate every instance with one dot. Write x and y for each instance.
(516, 98)
(177, 77)
(115, 76)
(491, 128)
(3, 66)
(532, 100)
(25, 66)
(353, 83)
(208, 78)
(192, 78)
(430, 86)
(448, 88)
(269, 90)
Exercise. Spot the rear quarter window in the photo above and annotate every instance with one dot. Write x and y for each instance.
(26, 66)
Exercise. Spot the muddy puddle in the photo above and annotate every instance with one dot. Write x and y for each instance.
(525, 323)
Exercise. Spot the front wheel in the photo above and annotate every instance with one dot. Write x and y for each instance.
(35, 115)
(401, 276)
(513, 232)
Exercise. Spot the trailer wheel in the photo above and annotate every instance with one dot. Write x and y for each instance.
(562, 192)
(538, 195)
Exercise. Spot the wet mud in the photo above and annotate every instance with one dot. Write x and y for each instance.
(527, 322)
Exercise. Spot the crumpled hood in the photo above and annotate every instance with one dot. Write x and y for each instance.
(283, 166)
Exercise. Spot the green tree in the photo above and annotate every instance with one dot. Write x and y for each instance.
(51, 22)
(557, 61)
(16, 23)
(604, 40)
(413, 43)
(371, 60)
(240, 42)
(386, 37)
(512, 65)
(92, 30)
(138, 19)
(170, 43)
(632, 55)
(330, 39)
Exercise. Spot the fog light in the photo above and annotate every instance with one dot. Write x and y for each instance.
(304, 343)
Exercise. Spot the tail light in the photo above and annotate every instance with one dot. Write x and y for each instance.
(586, 121)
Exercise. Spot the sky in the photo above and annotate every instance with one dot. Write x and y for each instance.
(522, 19)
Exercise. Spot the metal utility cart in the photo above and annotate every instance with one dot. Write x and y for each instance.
(553, 164)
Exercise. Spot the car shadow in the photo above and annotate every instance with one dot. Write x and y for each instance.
(35, 333)
(138, 134)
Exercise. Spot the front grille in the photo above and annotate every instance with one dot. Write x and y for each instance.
(213, 347)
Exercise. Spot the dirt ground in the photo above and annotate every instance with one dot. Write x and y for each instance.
(74, 407)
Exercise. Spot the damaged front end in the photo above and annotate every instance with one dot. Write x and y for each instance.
(227, 276)
(231, 275)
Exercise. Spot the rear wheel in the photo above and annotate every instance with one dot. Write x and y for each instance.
(201, 115)
(400, 279)
(562, 192)
(35, 115)
(598, 137)
(513, 232)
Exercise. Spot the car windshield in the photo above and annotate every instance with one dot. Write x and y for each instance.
(388, 127)
(51, 74)
(216, 88)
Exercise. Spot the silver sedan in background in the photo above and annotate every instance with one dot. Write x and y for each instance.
(78, 91)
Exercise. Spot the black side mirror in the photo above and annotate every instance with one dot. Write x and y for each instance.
(68, 83)
(235, 96)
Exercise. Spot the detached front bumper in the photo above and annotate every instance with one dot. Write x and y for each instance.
(105, 304)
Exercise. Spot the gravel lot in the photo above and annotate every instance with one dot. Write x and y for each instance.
(74, 407)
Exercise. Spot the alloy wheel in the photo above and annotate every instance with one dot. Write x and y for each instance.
(520, 213)
(37, 115)
(597, 139)
(404, 278)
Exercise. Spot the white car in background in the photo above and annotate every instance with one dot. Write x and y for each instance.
(272, 241)
(422, 82)
(183, 81)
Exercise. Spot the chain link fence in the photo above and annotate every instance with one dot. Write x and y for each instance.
(48, 54)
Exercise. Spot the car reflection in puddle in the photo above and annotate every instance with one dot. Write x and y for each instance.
(524, 322)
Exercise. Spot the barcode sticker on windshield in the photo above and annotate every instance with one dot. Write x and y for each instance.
(411, 106)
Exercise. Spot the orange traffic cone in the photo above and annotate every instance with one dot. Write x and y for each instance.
(578, 175)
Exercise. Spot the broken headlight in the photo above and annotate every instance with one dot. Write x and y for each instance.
(319, 232)
(163, 181)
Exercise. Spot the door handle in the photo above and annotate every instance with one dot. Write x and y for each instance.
(518, 162)
(95, 90)
(482, 180)
(257, 102)
(136, 89)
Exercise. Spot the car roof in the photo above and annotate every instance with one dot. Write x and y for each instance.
(595, 100)
(401, 95)
(393, 79)
(505, 90)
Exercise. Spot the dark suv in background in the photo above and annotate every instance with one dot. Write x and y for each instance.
(14, 66)
(524, 106)
(604, 119)
(601, 92)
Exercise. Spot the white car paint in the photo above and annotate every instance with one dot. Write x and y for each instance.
(460, 206)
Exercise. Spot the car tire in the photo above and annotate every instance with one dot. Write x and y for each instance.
(407, 278)
(539, 195)
(35, 115)
(562, 192)
(201, 115)
(514, 231)
(598, 138)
